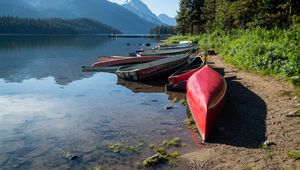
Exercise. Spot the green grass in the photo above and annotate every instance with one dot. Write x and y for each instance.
(294, 155)
(250, 168)
(274, 52)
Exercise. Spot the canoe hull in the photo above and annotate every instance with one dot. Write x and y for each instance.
(166, 51)
(116, 61)
(185, 72)
(206, 91)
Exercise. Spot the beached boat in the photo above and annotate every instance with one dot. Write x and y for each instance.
(205, 95)
(171, 46)
(178, 80)
(154, 69)
(119, 60)
(167, 51)
(108, 69)
(185, 72)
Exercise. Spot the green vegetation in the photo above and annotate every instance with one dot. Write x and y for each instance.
(173, 142)
(294, 155)
(118, 147)
(175, 100)
(96, 168)
(200, 16)
(269, 154)
(161, 153)
(250, 168)
(261, 36)
(183, 102)
(164, 29)
(275, 52)
(16, 25)
(161, 158)
(190, 123)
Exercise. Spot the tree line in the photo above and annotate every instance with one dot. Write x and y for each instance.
(164, 29)
(16, 25)
(196, 16)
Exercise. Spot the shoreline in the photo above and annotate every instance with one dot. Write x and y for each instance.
(256, 111)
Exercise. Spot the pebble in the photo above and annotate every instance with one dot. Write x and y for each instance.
(71, 156)
(268, 143)
(169, 106)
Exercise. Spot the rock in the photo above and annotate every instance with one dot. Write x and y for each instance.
(154, 160)
(117, 151)
(169, 106)
(71, 156)
(147, 44)
(268, 143)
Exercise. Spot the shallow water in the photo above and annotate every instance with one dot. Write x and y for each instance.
(49, 108)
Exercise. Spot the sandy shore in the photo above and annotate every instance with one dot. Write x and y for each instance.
(256, 111)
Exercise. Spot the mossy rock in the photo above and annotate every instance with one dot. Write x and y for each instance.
(190, 123)
(155, 159)
(173, 142)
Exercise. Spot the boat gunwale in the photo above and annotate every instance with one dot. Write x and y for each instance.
(152, 66)
(178, 73)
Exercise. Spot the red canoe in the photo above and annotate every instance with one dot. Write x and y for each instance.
(185, 72)
(118, 60)
(205, 94)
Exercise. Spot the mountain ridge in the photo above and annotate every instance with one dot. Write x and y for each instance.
(142, 10)
(103, 11)
(164, 18)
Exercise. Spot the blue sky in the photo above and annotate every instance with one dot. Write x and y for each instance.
(168, 7)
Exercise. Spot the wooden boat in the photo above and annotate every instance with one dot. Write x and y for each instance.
(108, 69)
(167, 51)
(178, 80)
(118, 60)
(153, 69)
(171, 46)
(205, 95)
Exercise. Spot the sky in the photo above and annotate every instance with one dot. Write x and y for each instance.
(168, 7)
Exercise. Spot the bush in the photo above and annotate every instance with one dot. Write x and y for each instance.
(275, 51)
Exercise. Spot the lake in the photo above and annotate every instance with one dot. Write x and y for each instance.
(50, 110)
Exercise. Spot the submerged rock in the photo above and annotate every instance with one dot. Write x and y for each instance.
(71, 156)
(169, 106)
(147, 44)
(155, 159)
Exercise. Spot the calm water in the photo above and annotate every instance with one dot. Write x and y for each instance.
(49, 108)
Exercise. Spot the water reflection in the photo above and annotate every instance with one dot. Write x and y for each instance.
(156, 86)
(49, 108)
(25, 57)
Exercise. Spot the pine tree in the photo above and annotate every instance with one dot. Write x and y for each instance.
(197, 23)
(209, 14)
(183, 17)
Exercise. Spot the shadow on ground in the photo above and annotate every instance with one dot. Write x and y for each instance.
(242, 122)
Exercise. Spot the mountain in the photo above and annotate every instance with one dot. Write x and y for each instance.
(16, 8)
(167, 20)
(142, 10)
(103, 11)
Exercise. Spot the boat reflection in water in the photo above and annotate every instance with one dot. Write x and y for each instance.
(144, 87)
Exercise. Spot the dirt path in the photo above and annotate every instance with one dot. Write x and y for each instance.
(255, 111)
